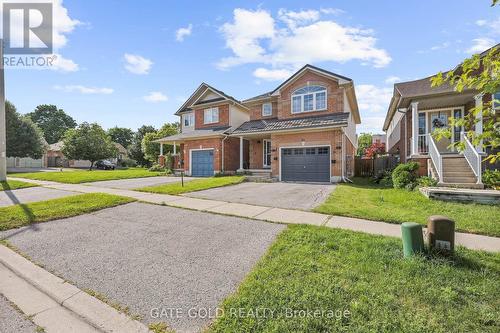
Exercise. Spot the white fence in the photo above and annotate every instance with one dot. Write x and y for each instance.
(25, 162)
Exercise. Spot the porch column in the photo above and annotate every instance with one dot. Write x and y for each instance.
(414, 122)
(241, 154)
(161, 148)
(175, 149)
(479, 118)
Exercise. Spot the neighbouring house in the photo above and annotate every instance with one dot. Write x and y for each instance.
(379, 138)
(415, 111)
(304, 130)
(54, 157)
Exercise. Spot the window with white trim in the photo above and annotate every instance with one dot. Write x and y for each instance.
(310, 98)
(211, 116)
(267, 109)
(188, 120)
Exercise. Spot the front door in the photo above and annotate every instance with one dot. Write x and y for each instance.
(437, 120)
(267, 153)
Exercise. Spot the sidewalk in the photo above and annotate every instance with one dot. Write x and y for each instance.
(278, 215)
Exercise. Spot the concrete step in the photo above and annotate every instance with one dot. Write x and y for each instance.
(461, 173)
(462, 185)
(259, 179)
(459, 179)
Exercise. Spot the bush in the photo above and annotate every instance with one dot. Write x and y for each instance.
(128, 163)
(383, 178)
(405, 175)
(158, 168)
(426, 182)
(491, 179)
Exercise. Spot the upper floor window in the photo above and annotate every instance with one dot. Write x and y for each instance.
(310, 98)
(496, 101)
(188, 120)
(211, 116)
(267, 109)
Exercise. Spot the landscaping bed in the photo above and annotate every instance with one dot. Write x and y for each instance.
(24, 214)
(194, 185)
(14, 185)
(329, 271)
(364, 199)
(86, 176)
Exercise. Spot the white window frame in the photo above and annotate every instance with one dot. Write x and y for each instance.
(190, 118)
(314, 100)
(264, 114)
(212, 119)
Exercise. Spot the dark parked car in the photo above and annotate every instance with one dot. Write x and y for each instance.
(105, 165)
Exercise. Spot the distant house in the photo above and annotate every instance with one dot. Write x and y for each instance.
(54, 157)
(379, 138)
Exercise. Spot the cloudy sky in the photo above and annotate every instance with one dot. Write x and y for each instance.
(129, 63)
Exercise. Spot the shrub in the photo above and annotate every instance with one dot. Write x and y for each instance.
(491, 179)
(426, 182)
(128, 163)
(405, 175)
(158, 168)
(383, 178)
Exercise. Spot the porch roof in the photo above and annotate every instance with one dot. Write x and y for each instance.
(195, 134)
(274, 125)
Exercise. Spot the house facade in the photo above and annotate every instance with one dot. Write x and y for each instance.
(304, 130)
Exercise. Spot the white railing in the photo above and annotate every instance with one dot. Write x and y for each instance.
(436, 157)
(473, 157)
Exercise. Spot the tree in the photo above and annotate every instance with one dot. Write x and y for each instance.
(364, 141)
(376, 149)
(482, 74)
(24, 138)
(151, 149)
(121, 135)
(88, 142)
(52, 121)
(135, 151)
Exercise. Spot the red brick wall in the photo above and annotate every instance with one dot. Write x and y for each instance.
(214, 143)
(256, 110)
(232, 154)
(329, 137)
(335, 93)
(223, 117)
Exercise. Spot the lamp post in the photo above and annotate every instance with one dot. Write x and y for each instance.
(3, 137)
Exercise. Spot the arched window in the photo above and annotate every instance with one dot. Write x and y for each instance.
(309, 98)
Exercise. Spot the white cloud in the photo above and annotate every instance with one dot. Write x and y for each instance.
(481, 23)
(272, 74)
(372, 98)
(493, 24)
(182, 33)
(61, 64)
(84, 90)
(136, 64)
(256, 37)
(392, 79)
(155, 97)
(331, 11)
(480, 45)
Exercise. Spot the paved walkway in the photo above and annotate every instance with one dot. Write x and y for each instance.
(279, 215)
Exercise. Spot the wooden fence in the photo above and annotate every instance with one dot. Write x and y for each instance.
(371, 167)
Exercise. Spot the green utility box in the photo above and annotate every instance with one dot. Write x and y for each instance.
(413, 239)
(441, 234)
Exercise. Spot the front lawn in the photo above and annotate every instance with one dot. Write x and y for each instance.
(316, 279)
(86, 176)
(14, 185)
(364, 199)
(24, 214)
(193, 185)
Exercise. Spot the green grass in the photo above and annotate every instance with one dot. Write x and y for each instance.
(85, 176)
(14, 185)
(194, 185)
(317, 268)
(374, 202)
(24, 214)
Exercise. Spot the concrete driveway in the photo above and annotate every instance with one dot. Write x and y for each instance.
(134, 183)
(281, 195)
(31, 194)
(151, 258)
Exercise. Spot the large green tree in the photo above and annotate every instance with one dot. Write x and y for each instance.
(52, 121)
(135, 151)
(88, 142)
(364, 141)
(121, 135)
(151, 149)
(24, 138)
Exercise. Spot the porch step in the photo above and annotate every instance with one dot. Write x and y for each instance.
(460, 179)
(259, 179)
(464, 195)
(462, 185)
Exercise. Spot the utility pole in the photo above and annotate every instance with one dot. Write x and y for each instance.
(3, 130)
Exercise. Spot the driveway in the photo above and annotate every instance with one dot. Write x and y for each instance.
(281, 195)
(151, 258)
(31, 194)
(134, 183)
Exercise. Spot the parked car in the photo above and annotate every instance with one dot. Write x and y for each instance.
(105, 165)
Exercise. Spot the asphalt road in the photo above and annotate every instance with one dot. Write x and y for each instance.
(12, 321)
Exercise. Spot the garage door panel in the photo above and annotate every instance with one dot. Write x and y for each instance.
(311, 164)
(202, 163)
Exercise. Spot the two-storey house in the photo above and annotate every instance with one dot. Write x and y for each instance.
(304, 130)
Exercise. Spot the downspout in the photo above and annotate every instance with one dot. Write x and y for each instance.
(223, 156)
(344, 166)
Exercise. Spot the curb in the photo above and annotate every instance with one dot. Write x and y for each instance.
(91, 310)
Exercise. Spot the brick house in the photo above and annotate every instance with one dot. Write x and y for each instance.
(304, 130)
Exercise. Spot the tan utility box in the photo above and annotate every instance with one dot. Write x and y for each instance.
(441, 234)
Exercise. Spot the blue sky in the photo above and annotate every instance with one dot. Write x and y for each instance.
(126, 63)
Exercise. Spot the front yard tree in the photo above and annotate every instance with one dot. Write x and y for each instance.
(135, 151)
(364, 141)
(24, 138)
(151, 149)
(121, 135)
(88, 142)
(52, 121)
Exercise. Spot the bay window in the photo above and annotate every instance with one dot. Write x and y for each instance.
(211, 116)
(310, 98)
